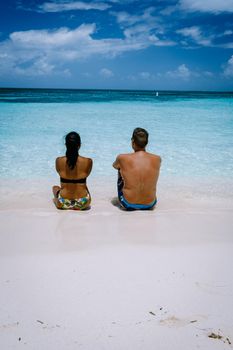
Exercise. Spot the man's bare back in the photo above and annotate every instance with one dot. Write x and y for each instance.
(140, 172)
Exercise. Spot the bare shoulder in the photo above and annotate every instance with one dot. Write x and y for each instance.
(124, 155)
(86, 164)
(60, 160)
(86, 159)
(59, 163)
(89, 162)
(120, 160)
(120, 157)
(156, 157)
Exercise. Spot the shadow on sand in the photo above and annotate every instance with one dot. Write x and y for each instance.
(116, 203)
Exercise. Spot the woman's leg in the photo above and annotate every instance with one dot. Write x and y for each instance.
(56, 190)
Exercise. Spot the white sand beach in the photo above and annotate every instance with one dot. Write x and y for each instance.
(109, 279)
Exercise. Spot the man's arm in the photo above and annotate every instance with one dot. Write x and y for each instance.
(116, 164)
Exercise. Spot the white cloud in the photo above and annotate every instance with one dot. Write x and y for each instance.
(139, 77)
(106, 73)
(123, 2)
(51, 38)
(157, 42)
(195, 34)
(167, 11)
(87, 74)
(126, 18)
(146, 27)
(137, 29)
(227, 45)
(212, 6)
(208, 74)
(146, 19)
(145, 33)
(228, 71)
(49, 51)
(39, 67)
(56, 6)
(145, 75)
(182, 72)
(228, 32)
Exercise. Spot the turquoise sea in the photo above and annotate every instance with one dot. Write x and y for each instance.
(192, 131)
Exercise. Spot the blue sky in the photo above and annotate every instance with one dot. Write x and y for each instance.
(122, 44)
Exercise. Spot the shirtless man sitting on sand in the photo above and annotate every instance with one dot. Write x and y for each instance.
(138, 174)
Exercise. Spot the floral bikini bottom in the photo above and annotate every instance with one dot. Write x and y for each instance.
(76, 204)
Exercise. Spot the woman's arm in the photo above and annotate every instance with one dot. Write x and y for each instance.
(90, 164)
(57, 165)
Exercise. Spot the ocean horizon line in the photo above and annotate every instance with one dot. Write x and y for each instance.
(118, 90)
(39, 95)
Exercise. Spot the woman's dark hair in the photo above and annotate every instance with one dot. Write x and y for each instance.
(73, 143)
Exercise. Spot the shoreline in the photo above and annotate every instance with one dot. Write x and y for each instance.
(171, 192)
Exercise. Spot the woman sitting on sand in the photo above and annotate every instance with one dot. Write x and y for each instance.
(73, 170)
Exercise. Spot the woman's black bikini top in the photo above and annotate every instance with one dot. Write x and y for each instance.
(73, 181)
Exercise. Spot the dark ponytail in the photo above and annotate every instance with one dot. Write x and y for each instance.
(73, 143)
